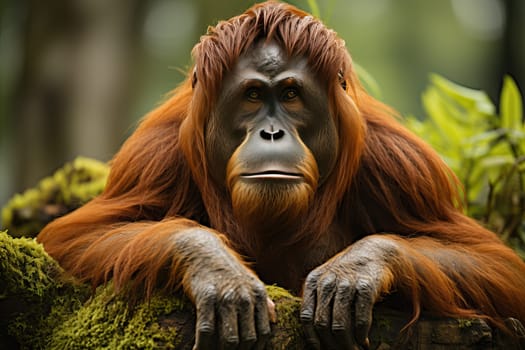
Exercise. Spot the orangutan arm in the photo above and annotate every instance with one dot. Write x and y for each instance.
(230, 300)
(446, 279)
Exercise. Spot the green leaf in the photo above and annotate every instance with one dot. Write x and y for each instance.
(511, 108)
(368, 80)
(497, 162)
(521, 167)
(468, 98)
(440, 112)
(485, 143)
(314, 8)
(487, 136)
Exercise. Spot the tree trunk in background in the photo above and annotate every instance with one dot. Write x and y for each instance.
(75, 83)
(211, 12)
(513, 53)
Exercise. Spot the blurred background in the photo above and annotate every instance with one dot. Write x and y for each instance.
(77, 75)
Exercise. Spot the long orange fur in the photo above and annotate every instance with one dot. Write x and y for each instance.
(386, 181)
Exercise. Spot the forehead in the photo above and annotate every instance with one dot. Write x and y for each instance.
(269, 59)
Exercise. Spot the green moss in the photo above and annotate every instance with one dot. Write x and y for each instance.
(25, 268)
(109, 322)
(34, 296)
(47, 311)
(287, 332)
(68, 188)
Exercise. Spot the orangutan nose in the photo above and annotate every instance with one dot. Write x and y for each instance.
(272, 134)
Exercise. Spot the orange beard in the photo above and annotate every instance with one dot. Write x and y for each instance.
(272, 206)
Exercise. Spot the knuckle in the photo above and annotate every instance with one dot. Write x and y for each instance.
(338, 327)
(250, 340)
(259, 295)
(327, 284)
(365, 287)
(206, 328)
(207, 293)
(313, 277)
(206, 298)
(231, 341)
(306, 316)
(229, 296)
(321, 325)
(259, 291)
(345, 286)
(244, 300)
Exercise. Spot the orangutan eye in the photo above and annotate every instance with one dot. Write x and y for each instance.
(253, 94)
(290, 94)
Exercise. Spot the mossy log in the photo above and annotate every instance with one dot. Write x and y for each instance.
(42, 308)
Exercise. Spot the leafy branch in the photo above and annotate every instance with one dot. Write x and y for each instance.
(484, 147)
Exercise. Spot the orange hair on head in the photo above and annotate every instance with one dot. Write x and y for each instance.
(300, 35)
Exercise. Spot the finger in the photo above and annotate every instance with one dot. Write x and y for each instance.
(229, 333)
(246, 325)
(364, 303)
(308, 309)
(342, 315)
(205, 325)
(262, 317)
(310, 337)
(323, 313)
(271, 310)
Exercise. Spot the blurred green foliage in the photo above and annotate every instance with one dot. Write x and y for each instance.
(68, 188)
(485, 146)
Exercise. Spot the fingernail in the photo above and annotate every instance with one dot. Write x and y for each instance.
(271, 310)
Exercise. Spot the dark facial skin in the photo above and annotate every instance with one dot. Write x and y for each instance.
(271, 104)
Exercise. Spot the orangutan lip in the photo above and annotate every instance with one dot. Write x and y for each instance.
(273, 174)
